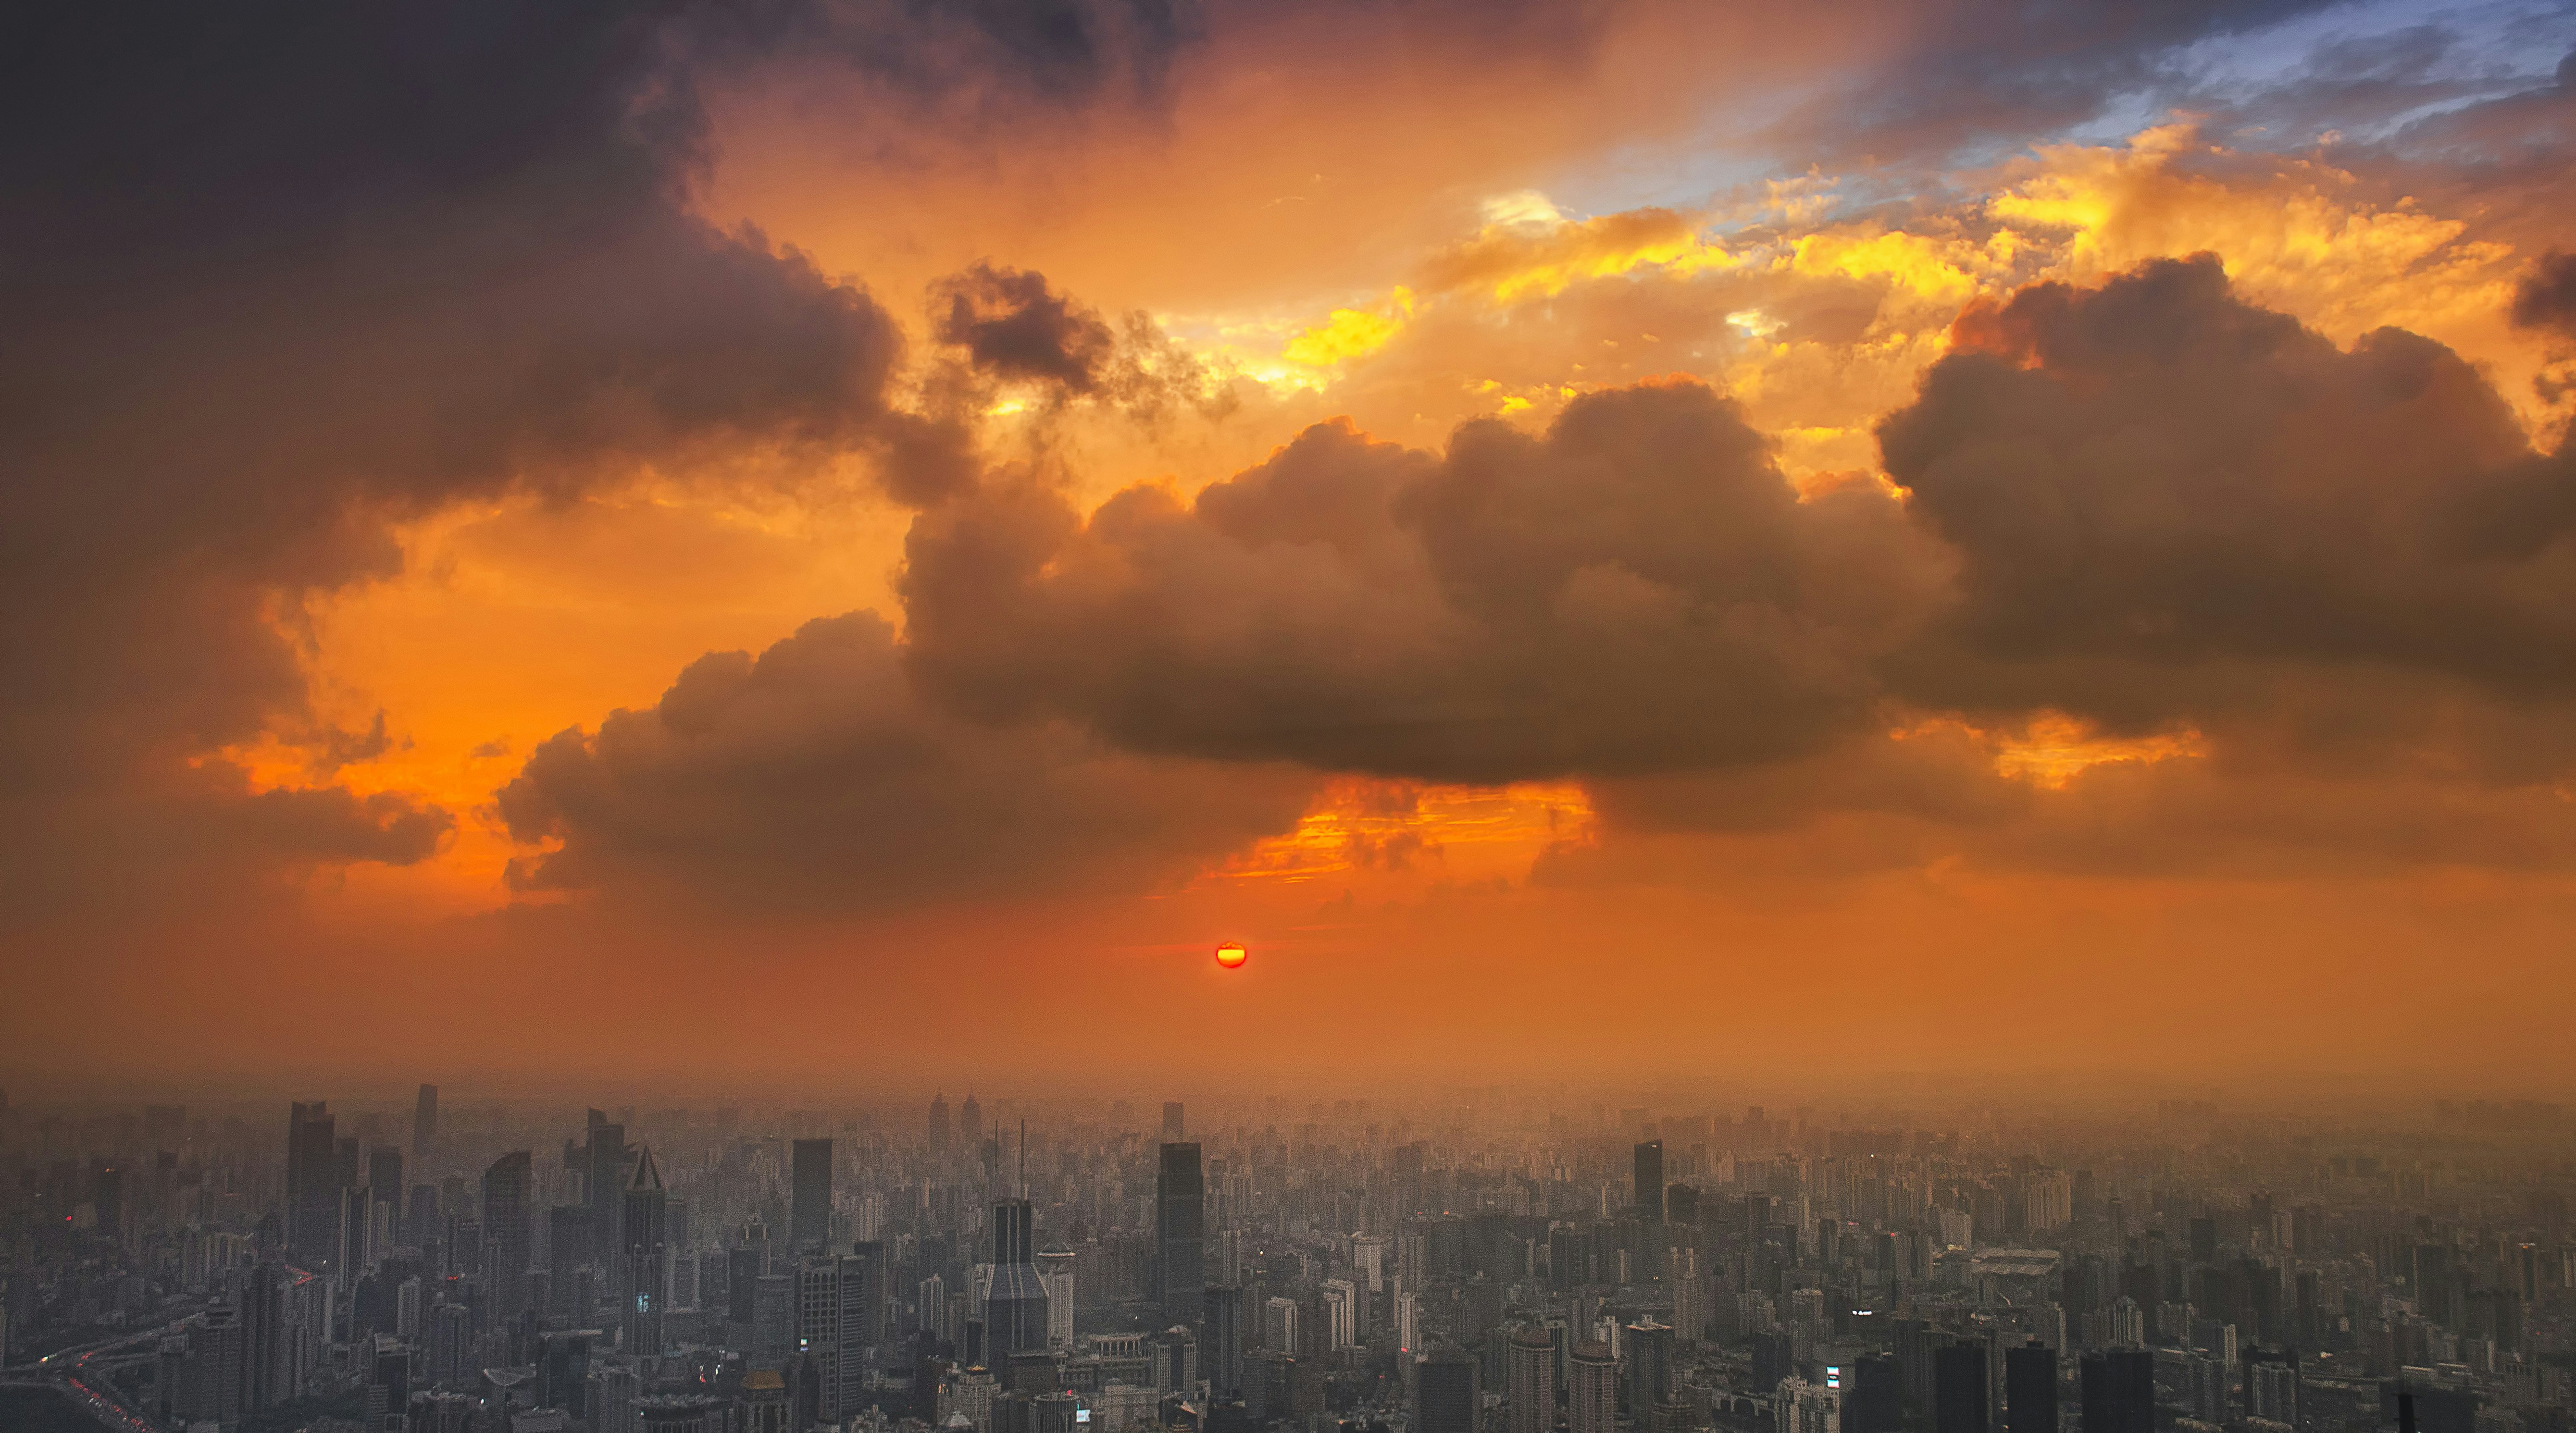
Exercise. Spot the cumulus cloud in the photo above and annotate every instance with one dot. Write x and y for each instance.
(813, 778)
(2163, 497)
(1637, 588)
(278, 281)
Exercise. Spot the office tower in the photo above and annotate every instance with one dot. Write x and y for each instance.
(1529, 1382)
(1444, 1393)
(1174, 1360)
(1368, 1255)
(1650, 1181)
(507, 1231)
(1341, 1316)
(424, 1129)
(1592, 1389)
(827, 1309)
(2272, 1385)
(2119, 1394)
(568, 1246)
(385, 1175)
(1221, 1349)
(1877, 1396)
(1055, 1275)
(970, 1123)
(1015, 1311)
(939, 1124)
(1647, 1348)
(312, 1183)
(1959, 1389)
(1757, 1219)
(1681, 1205)
(1180, 1235)
(604, 1165)
(809, 1216)
(1279, 1326)
(2030, 1389)
(1173, 1133)
(865, 1281)
(642, 1224)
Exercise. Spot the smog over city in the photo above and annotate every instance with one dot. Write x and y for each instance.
(1288, 716)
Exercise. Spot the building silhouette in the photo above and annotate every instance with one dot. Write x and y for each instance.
(1649, 1181)
(1180, 1235)
(809, 1210)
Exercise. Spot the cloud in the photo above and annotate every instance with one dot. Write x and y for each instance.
(2164, 497)
(1637, 588)
(278, 282)
(812, 778)
(2546, 297)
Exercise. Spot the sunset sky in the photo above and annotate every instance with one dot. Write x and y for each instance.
(837, 541)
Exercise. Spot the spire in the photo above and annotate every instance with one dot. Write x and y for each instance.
(647, 1179)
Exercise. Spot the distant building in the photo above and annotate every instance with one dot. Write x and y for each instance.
(1649, 1183)
(809, 1216)
(1180, 1235)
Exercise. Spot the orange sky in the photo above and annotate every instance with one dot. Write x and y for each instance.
(2110, 715)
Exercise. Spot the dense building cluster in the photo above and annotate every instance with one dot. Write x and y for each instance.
(1488, 1263)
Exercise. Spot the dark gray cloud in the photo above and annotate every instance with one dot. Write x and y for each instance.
(2546, 297)
(2164, 498)
(1012, 325)
(813, 778)
(276, 278)
(1638, 588)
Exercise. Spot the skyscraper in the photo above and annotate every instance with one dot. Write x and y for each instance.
(1173, 1130)
(1015, 1316)
(1055, 1275)
(2030, 1389)
(809, 1217)
(2119, 1391)
(642, 1224)
(939, 1124)
(506, 1229)
(604, 1164)
(1650, 1181)
(1180, 1235)
(1592, 1389)
(1444, 1393)
(1221, 1348)
(1959, 1389)
(1529, 1382)
(312, 1183)
(424, 1130)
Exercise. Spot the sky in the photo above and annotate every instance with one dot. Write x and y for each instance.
(828, 542)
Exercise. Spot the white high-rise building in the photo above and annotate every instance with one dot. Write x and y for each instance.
(1340, 1313)
(1055, 1275)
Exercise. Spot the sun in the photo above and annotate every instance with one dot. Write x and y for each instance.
(1232, 954)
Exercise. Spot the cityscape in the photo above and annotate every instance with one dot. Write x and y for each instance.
(1287, 716)
(1495, 1262)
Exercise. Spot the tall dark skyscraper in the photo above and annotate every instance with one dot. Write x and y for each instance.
(1959, 1389)
(605, 1176)
(1221, 1346)
(424, 1130)
(809, 1213)
(385, 1175)
(1180, 1236)
(1015, 1310)
(643, 1223)
(507, 1187)
(2030, 1389)
(312, 1184)
(2119, 1391)
(1650, 1181)
(939, 1124)
(1444, 1393)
